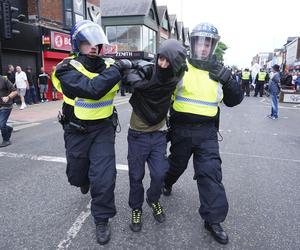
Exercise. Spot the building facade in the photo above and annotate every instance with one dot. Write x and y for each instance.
(43, 38)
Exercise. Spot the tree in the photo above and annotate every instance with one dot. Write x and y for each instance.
(220, 51)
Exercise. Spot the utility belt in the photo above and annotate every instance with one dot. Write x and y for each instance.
(199, 124)
(83, 126)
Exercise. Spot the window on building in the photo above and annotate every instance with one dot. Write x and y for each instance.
(151, 14)
(149, 40)
(74, 11)
(128, 38)
(165, 23)
(132, 38)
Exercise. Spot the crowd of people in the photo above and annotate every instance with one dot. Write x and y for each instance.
(31, 88)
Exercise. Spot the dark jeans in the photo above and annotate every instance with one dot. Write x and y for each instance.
(30, 96)
(274, 102)
(5, 129)
(91, 160)
(151, 148)
(202, 143)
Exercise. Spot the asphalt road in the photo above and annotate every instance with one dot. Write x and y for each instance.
(261, 172)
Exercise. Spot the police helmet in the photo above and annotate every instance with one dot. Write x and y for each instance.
(204, 39)
(87, 31)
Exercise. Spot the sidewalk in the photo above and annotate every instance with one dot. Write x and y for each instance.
(36, 112)
(42, 111)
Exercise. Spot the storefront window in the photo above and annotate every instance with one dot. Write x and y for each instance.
(128, 38)
(132, 38)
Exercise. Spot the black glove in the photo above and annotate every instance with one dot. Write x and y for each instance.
(122, 65)
(144, 69)
(220, 73)
(182, 70)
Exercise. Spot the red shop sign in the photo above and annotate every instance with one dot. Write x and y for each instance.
(60, 41)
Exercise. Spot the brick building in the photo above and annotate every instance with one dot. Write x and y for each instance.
(44, 38)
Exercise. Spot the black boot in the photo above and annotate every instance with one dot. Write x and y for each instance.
(103, 233)
(84, 189)
(158, 211)
(166, 190)
(217, 232)
(136, 220)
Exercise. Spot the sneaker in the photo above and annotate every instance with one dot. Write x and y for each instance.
(102, 232)
(158, 212)
(166, 190)
(85, 189)
(136, 220)
(5, 144)
(22, 107)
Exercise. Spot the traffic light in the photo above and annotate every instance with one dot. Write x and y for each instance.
(7, 12)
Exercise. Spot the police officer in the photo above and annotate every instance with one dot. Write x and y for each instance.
(194, 124)
(246, 80)
(261, 78)
(89, 85)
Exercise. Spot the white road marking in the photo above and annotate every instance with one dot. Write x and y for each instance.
(75, 228)
(17, 128)
(48, 159)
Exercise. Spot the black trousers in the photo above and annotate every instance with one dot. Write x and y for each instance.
(246, 87)
(202, 143)
(259, 88)
(91, 160)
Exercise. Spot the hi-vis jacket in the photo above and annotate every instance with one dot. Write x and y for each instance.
(246, 75)
(197, 94)
(91, 94)
(262, 76)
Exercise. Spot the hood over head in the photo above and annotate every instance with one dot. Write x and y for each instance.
(174, 52)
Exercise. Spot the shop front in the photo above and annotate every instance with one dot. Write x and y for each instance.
(56, 47)
(132, 41)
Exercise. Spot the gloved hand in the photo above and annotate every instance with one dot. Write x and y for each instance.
(122, 65)
(182, 70)
(220, 73)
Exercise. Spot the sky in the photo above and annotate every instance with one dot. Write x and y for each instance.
(246, 27)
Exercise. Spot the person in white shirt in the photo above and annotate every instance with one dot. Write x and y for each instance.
(22, 85)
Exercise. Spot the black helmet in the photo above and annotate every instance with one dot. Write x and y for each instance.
(204, 39)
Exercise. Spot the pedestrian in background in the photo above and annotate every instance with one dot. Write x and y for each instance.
(22, 85)
(274, 89)
(43, 84)
(30, 97)
(11, 75)
(7, 93)
(54, 90)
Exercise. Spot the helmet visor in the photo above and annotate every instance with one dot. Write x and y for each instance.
(93, 34)
(202, 48)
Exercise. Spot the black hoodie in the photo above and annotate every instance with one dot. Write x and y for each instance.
(153, 91)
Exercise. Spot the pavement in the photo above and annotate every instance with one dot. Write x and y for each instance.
(261, 171)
